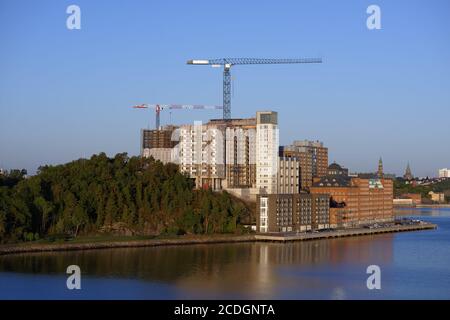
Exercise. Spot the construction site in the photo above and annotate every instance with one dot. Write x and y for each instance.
(240, 155)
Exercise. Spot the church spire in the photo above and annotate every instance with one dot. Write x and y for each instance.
(408, 174)
(380, 168)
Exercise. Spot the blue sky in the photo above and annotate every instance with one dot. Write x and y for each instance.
(65, 94)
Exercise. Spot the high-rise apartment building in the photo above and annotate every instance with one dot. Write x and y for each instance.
(240, 153)
(313, 157)
(267, 145)
(220, 154)
(201, 153)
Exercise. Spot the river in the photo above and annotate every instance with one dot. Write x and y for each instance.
(414, 265)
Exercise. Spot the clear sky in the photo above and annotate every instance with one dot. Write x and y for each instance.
(65, 94)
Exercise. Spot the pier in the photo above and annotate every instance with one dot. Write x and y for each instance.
(292, 236)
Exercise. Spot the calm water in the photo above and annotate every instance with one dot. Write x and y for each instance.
(414, 265)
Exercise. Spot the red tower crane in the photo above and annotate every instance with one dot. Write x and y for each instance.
(159, 107)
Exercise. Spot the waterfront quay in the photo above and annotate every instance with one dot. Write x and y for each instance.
(294, 236)
(406, 225)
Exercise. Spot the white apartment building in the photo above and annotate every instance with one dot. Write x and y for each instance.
(444, 173)
(267, 145)
(201, 153)
(236, 154)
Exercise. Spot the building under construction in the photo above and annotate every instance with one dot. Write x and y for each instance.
(158, 144)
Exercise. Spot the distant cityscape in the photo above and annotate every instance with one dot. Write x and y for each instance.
(294, 186)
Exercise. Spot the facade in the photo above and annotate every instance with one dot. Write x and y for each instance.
(444, 173)
(232, 154)
(201, 153)
(355, 201)
(162, 154)
(313, 157)
(158, 143)
(292, 212)
(240, 153)
(267, 144)
(157, 138)
(288, 175)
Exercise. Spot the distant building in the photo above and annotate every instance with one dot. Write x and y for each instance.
(292, 212)
(403, 202)
(313, 157)
(355, 200)
(408, 174)
(335, 169)
(416, 198)
(444, 173)
(438, 197)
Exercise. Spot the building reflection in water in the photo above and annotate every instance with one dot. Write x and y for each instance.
(245, 270)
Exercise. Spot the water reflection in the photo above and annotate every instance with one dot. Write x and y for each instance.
(254, 270)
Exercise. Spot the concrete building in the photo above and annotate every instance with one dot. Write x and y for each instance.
(158, 138)
(288, 175)
(313, 157)
(444, 173)
(355, 200)
(267, 145)
(158, 143)
(292, 212)
(240, 153)
(201, 153)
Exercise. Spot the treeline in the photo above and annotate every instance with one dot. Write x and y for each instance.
(401, 187)
(102, 194)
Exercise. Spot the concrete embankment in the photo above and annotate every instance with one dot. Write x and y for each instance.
(28, 248)
(25, 248)
(343, 233)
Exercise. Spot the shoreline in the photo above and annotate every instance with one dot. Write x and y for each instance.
(35, 248)
(422, 206)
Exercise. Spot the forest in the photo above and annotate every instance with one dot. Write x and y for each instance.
(128, 195)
